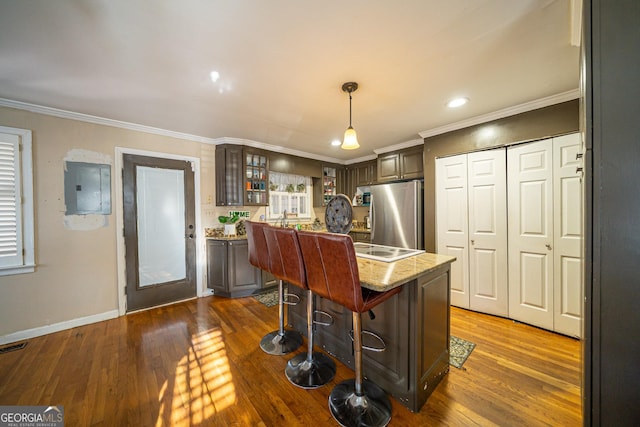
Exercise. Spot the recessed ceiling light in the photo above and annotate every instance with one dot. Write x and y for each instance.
(336, 142)
(214, 76)
(457, 102)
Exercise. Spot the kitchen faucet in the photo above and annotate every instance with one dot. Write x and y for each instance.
(284, 218)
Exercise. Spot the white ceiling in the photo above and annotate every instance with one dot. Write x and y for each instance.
(282, 64)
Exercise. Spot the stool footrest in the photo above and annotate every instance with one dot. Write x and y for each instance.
(295, 299)
(323, 313)
(376, 336)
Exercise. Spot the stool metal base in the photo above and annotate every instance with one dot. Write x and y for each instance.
(278, 344)
(373, 408)
(310, 374)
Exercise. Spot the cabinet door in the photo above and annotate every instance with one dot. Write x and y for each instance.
(229, 181)
(268, 280)
(242, 275)
(256, 178)
(334, 338)
(217, 265)
(391, 323)
(363, 174)
(530, 240)
(567, 239)
(487, 193)
(452, 222)
(411, 164)
(360, 236)
(341, 182)
(297, 313)
(351, 178)
(432, 331)
(373, 171)
(388, 167)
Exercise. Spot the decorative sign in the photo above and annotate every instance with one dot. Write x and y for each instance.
(241, 214)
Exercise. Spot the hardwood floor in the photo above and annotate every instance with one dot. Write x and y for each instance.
(199, 363)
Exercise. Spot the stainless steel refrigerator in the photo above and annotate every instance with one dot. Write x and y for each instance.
(397, 214)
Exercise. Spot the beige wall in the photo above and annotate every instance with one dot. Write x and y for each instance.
(76, 273)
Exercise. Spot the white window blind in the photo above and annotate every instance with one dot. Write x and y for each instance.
(16, 204)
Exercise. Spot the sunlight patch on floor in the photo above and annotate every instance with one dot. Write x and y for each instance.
(203, 384)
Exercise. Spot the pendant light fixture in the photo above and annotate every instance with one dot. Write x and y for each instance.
(350, 141)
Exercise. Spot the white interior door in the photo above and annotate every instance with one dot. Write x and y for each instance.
(487, 193)
(567, 235)
(530, 209)
(452, 222)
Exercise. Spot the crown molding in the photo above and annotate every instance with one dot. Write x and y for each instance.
(501, 114)
(400, 146)
(65, 114)
(361, 159)
(275, 148)
(72, 115)
(522, 108)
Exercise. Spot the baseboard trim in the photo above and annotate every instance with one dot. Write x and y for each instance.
(57, 327)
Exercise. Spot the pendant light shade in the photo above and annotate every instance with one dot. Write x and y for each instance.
(350, 141)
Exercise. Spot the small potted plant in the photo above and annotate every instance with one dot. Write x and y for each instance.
(290, 188)
(229, 223)
(300, 188)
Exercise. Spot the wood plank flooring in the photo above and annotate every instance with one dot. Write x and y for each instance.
(198, 363)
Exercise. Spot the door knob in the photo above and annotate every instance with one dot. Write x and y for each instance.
(548, 246)
(473, 242)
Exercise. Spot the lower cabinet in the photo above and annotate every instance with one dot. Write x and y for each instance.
(360, 236)
(229, 272)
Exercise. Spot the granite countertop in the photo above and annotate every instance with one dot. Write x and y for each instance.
(383, 276)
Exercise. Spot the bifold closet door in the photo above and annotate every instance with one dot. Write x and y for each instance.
(487, 196)
(452, 223)
(567, 235)
(530, 209)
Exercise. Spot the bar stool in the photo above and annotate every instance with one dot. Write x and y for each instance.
(310, 370)
(281, 341)
(332, 273)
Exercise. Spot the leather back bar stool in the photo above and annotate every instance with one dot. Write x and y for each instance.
(310, 370)
(281, 341)
(332, 273)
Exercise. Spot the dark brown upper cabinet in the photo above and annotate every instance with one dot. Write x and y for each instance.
(256, 178)
(400, 165)
(229, 175)
(366, 173)
(242, 176)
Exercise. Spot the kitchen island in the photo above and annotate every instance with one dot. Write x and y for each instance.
(414, 325)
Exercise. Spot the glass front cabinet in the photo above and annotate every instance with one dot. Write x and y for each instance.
(329, 184)
(256, 180)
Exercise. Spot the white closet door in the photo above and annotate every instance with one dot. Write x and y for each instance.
(488, 278)
(567, 235)
(530, 208)
(452, 227)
